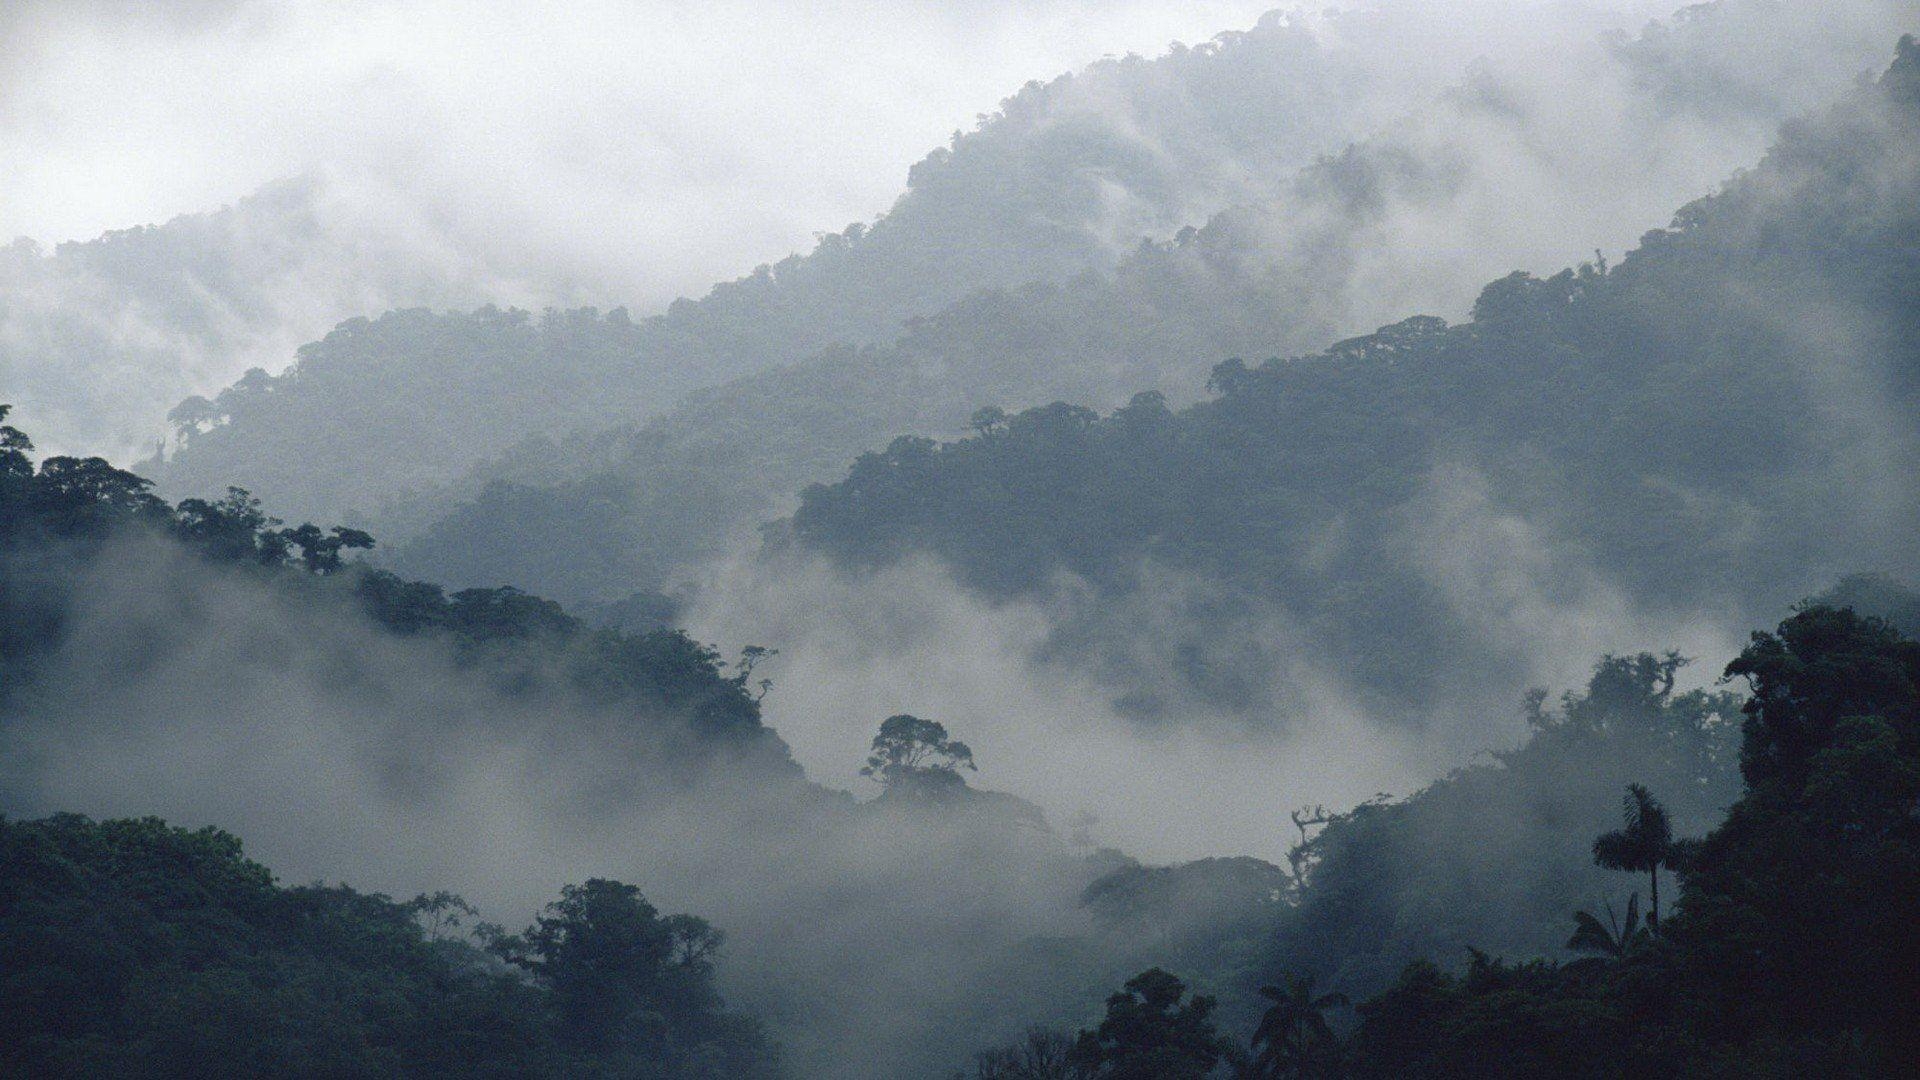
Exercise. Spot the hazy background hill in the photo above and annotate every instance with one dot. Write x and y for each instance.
(100, 338)
(992, 460)
(1511, 165)
(1064, 178)
(1070, 175)
(1402, 532)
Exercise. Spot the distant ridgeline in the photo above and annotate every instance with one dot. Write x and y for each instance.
(1724, 421)
(1344, 243)
(1119, 230)
(1047, 187)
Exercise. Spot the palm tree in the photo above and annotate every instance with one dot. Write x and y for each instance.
(1613, 940)
(1294, 1039)
(1646, 843)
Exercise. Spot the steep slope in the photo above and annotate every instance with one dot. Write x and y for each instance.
(1065, 177)
(201, 663)
(1509, 167)
(1070, 175)
(1718, 424)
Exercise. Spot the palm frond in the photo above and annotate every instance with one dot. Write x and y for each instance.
(1591, 935)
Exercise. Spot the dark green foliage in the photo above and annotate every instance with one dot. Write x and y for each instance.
(320, 549)
(1824, 667)
(1616, 939)
(135, 949)
(1153, 1031)
(66, 497)
(1797, 916)
(1789, 953)
(1531, 1021)
(508, 634)
(232, 529)
(1498, 855)
(627, 984)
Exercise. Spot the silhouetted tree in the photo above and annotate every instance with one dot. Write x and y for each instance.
(1643, 846)
(1294, 1040)
(14, 447)
(617, 971)
(440, 912)
(233, 528)
(914, 755)
(988, 419)
(320, 549)
(1151, 1033)
(1041, 1054)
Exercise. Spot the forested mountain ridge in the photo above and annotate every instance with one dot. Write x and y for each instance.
(1113, 621)
(1485, 177)
(1065, 177)
(1068, 178)
(1667, 428)
(307, 434)
(202, 661)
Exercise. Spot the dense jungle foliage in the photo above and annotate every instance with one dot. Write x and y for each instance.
(133, 948)
(1783, 956)
(1668, 873)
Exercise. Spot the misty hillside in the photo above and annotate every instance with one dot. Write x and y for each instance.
(1376, 547)
(77, 650)
(1064, 178)
(268, 644)
(1068, 178)
(1491, 174)
(99, 338)
(1663, 433)
(361, 725)
(828, 906)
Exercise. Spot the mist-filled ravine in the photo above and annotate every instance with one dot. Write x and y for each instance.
(1355, 541)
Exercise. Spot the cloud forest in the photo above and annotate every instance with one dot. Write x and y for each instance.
(1371, 540)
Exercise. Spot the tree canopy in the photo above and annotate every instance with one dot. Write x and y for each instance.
(138, 949)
